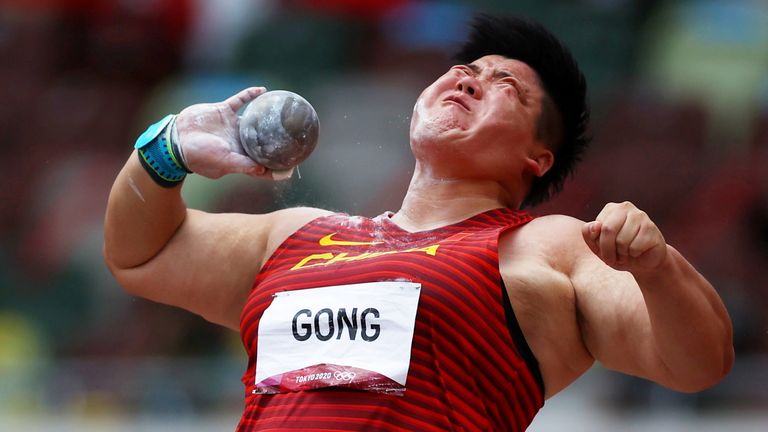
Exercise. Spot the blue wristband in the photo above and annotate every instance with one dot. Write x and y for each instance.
(158, 155)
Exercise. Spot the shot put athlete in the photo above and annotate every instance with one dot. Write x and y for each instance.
(457, 312)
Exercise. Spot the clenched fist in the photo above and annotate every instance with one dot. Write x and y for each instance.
(625, 238)
(209, 138)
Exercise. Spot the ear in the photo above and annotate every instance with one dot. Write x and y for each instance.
(539, 162)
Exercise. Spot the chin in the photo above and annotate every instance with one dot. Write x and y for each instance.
(436, 128)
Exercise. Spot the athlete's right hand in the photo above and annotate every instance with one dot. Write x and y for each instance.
(209, 138)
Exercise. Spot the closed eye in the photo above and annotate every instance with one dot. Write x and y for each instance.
(514, 82)
(466, 70)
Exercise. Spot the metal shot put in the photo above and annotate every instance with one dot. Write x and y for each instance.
(279, 129)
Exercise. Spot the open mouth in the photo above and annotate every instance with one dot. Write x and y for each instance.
(458, 101)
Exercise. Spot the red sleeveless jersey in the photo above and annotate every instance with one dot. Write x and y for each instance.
(470, 368)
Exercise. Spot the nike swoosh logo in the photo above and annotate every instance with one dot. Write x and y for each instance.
(329, 241)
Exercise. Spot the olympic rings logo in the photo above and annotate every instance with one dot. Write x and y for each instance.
(344, 376)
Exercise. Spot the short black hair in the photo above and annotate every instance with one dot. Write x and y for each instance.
(561, 79)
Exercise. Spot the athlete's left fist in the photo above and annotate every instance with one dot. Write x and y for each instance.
(625, 238)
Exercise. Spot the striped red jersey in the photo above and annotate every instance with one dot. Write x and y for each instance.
(468, 368)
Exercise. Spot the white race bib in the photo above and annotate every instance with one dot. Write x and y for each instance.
(358, 336)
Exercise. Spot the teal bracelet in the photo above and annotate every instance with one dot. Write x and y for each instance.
(159, 156)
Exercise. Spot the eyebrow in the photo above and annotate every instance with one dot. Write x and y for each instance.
(497, 73)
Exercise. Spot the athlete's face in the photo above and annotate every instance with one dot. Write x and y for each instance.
(487, 109)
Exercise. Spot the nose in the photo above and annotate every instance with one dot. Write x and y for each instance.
(469, 85)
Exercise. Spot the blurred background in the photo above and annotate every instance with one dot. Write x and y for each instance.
(679, 91)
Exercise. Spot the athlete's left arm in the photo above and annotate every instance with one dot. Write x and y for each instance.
(643, 309)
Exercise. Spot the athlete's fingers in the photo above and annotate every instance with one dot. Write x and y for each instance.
(613, 220)
(591, 233)
(647, 238)
(651, 247)
(627, 236)
(240, 99)
(241, 164)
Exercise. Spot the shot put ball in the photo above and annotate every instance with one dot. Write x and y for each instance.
(279, 129)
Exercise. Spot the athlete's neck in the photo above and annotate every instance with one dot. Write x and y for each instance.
(436, 202)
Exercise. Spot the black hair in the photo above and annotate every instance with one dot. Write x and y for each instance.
(561, 79)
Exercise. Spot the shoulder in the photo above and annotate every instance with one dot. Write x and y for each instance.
(283, 223)
(272, 224)
(553, 230)
(553, 223)
(555, 238)
(297, 216)
(250, 234)
(258, 234)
